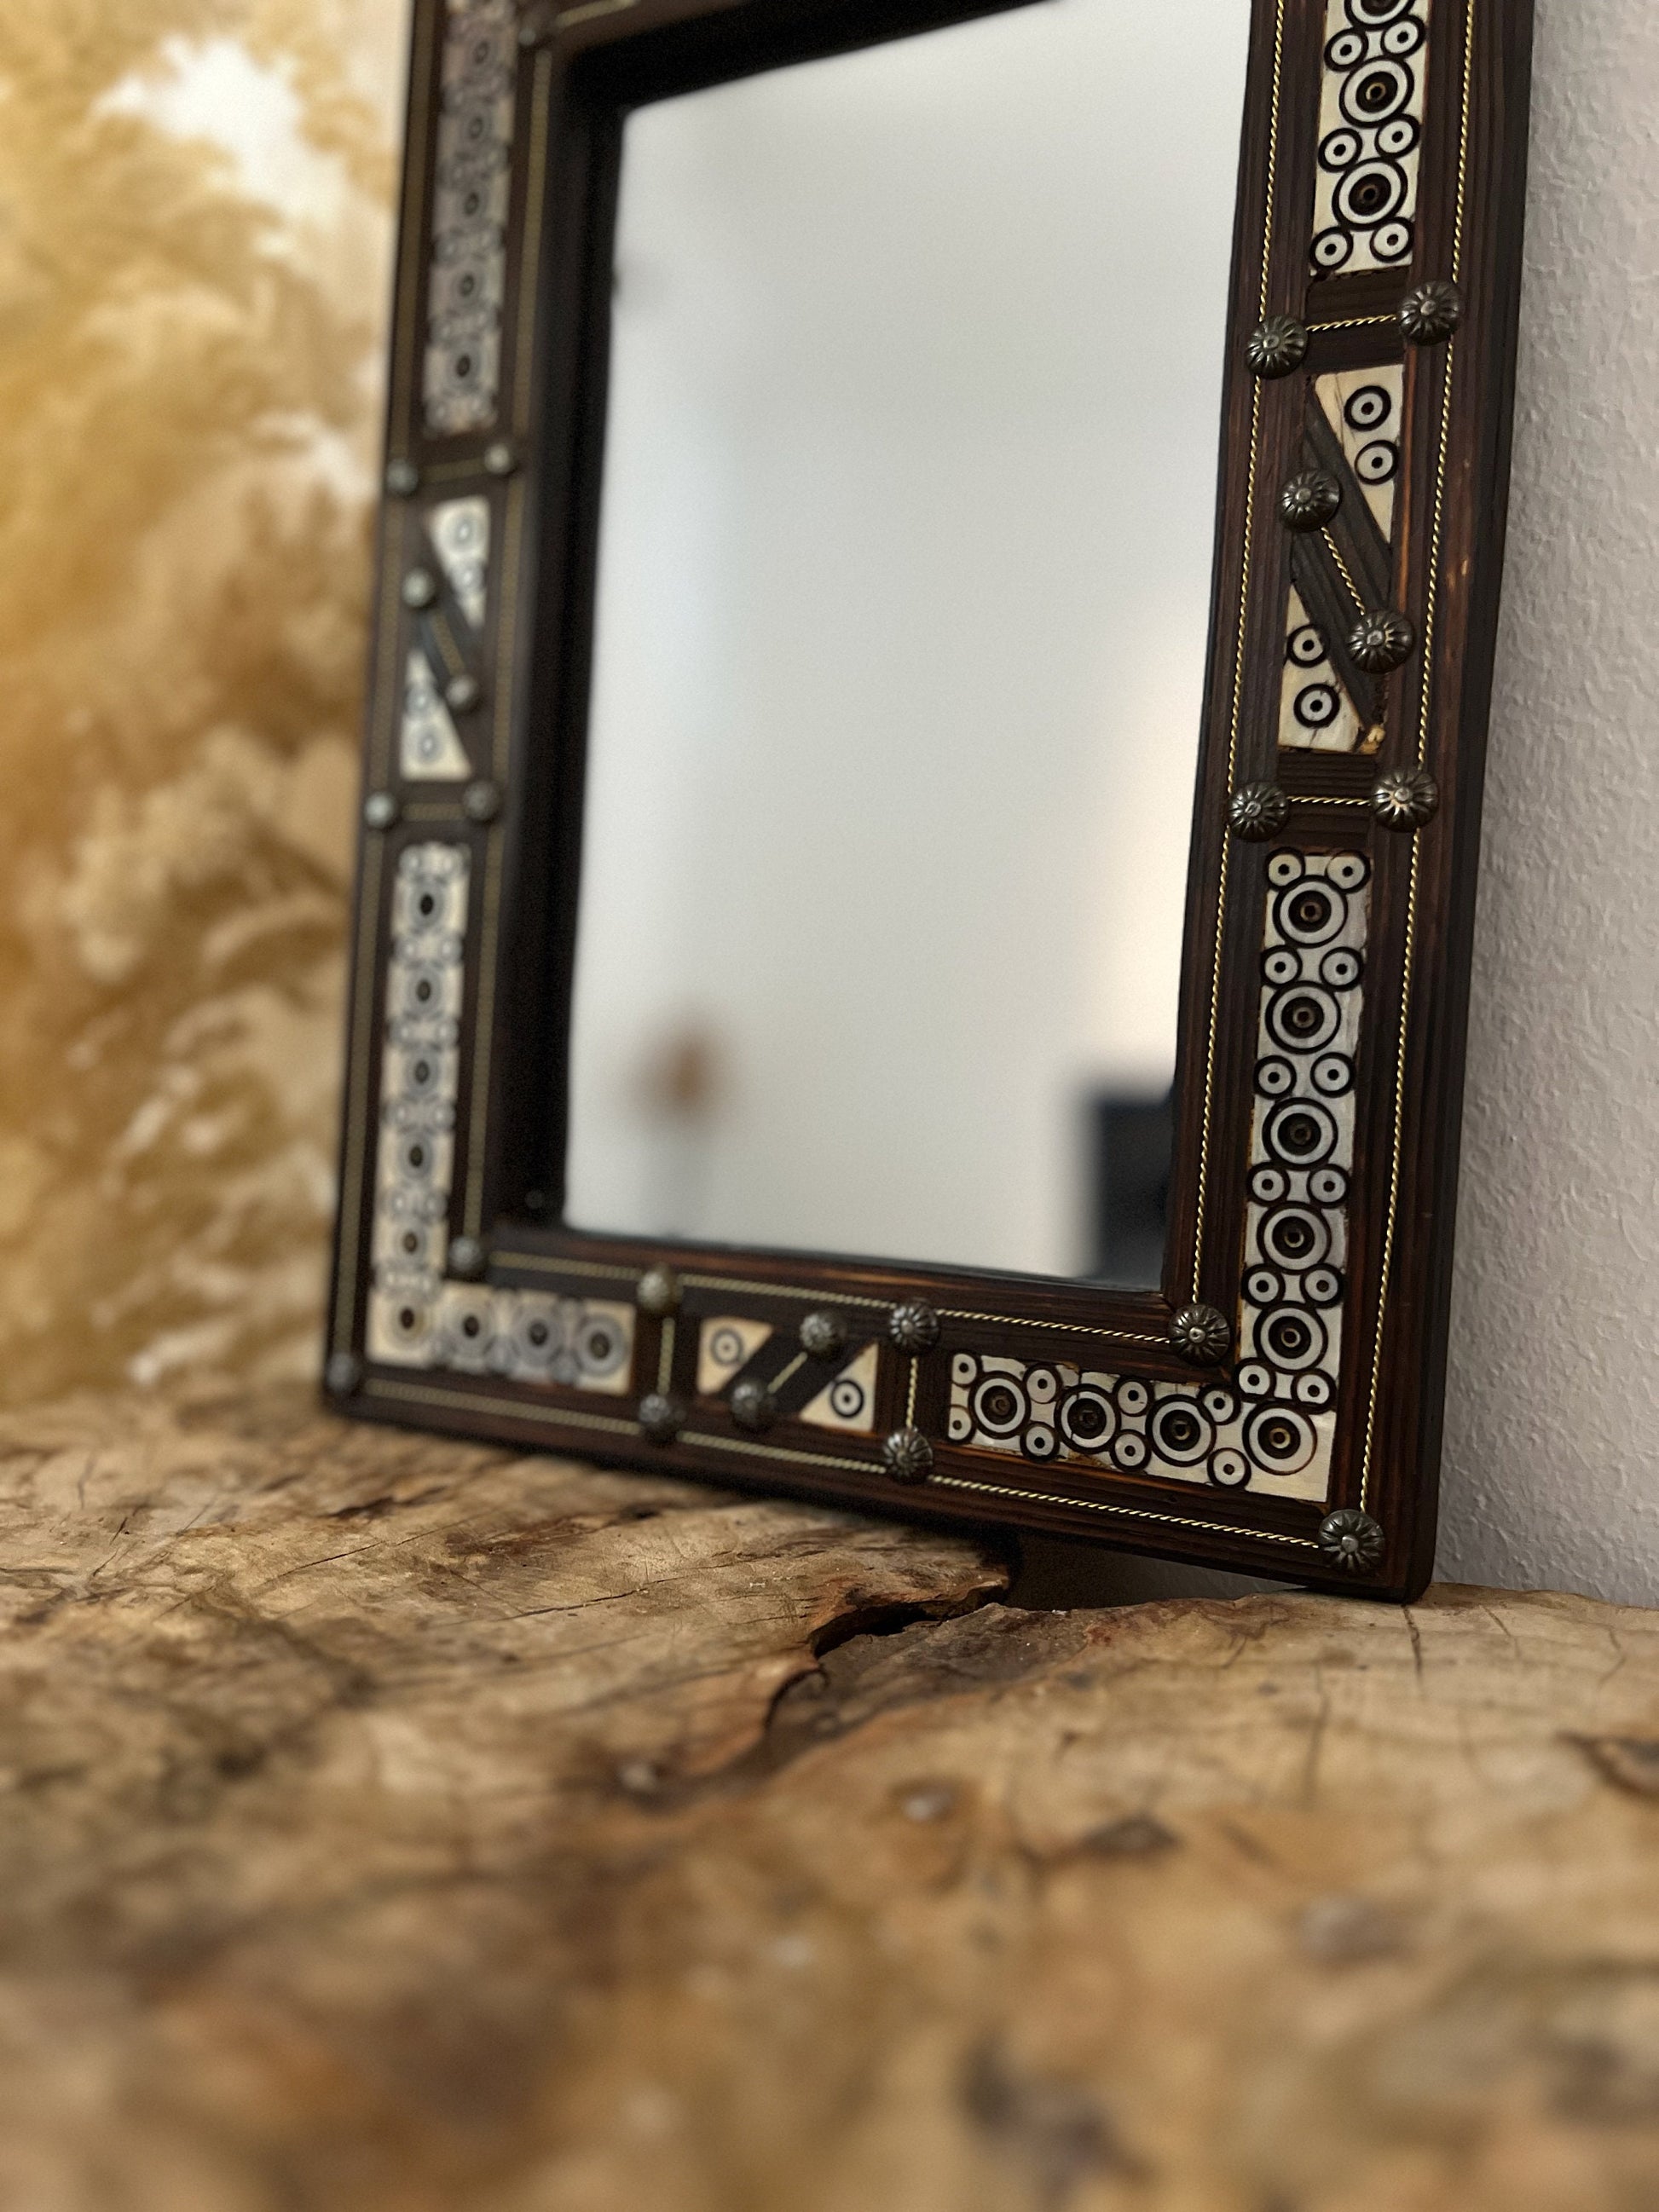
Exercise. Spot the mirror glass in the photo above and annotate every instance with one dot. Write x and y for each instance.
(904, 577)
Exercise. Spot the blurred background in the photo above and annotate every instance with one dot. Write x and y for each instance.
(904, 598)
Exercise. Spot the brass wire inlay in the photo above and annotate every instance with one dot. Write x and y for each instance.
(1123, 1512)
(1448, 361)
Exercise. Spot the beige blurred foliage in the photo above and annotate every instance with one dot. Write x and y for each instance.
(189, 380)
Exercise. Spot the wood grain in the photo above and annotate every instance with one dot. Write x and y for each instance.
(392, 1823)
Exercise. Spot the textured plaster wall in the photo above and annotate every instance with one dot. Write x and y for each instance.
(194, 237)
(189, 405)
(1551, 1463)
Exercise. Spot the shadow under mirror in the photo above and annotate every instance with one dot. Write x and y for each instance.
(904, 580)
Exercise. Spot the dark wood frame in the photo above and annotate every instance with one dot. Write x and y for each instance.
(529, 445)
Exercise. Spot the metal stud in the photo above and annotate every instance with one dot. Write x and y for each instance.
(661, 1418)
(380, 810)
(466, 1259)
(481, 803)
(1258, 811)
(501, 459)
(753, 1406)
(914, 1326)
(657, 1292)
(1310, 500)
(824, 1336)
(907, 1456)
(402, 478)
(1278, 346)
(344, 1375)
(1405, 797)
(420, 588)
(1352, 1541)
(1201, 1334)
(1382, 641)
(462, 693)
(1430, 313)
(536, 25)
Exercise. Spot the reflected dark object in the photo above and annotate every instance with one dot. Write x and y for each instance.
(1131, 1145)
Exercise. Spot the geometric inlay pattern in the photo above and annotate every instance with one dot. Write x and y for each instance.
(1327, 703)
(733, 1348)
(1270, 1425)
(417, 1318)
(1371, 133)
(466, 281)
(443, 668)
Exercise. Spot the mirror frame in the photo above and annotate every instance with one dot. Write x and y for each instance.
(1275, 1407)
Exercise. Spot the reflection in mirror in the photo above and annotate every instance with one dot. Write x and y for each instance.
(903, 591)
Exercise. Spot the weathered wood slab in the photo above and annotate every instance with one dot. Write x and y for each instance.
(393, 1826)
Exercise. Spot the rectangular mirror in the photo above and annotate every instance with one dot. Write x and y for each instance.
(913, 935)
(905, 557)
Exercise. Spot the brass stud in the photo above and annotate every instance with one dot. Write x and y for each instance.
(1405, 797)
(1352, 1542)
(1308, 501)
(824, 1336)
(402, 478)
(661, 1418)
(1202, 1335)
(657, 1292)
(1430, 313)
(753, 1406)
(1258, 811)
(380, 810)
(462, 693)
(482, 802)
(420, 588)
(1382, 641)
(914, 1326)
(907, 1456)
(1277, 346)
(466, 1259)
(344, 1375)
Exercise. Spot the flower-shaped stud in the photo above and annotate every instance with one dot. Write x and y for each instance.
(824, 1336)
(466, 1259)
(1310, 500)
(661, 1418)
(1405, 797)
(1352, 1542)
(1430, 313)
(657, 1292)
(1257, 812)
(914, 1326)
(907, 1456)
(1382, 641)
(753, 1406)
(1201, 1334)
(344, 1375)
(1278, 346)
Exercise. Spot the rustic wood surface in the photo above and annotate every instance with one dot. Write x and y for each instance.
(393, 1824)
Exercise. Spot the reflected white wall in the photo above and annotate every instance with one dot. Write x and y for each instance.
(904, 583)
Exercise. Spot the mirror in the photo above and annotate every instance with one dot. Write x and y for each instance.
(903, 591)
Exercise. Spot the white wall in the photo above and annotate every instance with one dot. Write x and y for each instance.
(1551, 1460)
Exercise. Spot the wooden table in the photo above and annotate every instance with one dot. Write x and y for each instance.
(399, 1826)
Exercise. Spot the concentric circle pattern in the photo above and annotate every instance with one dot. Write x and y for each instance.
(1371, 124)
(1267, 1424)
